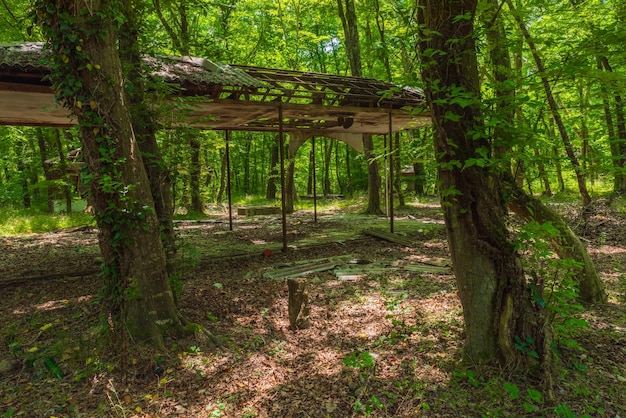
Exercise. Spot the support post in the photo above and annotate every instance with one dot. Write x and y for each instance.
(390, 186)
(228, 183)
(283, 192)
(314, 182)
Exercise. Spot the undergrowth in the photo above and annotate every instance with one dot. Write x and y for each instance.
(33, 221)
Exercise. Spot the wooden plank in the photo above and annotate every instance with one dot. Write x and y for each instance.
(425, 268)
(296, 271)
(388, 236)
(258, 210)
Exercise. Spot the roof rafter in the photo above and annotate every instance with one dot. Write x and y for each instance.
(228, 97)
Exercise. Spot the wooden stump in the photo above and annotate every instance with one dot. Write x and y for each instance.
(298, 304)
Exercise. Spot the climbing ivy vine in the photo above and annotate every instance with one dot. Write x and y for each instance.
(88, 92)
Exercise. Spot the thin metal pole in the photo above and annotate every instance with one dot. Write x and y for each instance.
(283, 192)
(390, 172)
(385, 163)
(228, 188)
(314, 182)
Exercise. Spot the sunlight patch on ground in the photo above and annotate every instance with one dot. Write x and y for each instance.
(51, 305)
(607, 249)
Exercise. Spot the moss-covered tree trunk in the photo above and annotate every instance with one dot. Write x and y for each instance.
(87, 78)
(491, 283)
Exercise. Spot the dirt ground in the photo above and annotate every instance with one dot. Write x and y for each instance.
(385, 337)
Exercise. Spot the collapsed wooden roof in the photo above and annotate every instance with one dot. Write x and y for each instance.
(227, 97)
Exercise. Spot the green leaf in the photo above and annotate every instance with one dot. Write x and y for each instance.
(534, 394)
(451, 116)
(512, 389)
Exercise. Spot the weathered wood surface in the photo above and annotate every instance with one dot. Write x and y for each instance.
(51, 276)
(299, 310)
(388, 236)
(305, 267)
(258, 210)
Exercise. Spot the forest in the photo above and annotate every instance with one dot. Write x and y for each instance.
(299, 208)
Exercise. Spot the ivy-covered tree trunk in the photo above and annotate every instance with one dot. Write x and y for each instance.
(145, 127)
(495, 297)
(87, 78)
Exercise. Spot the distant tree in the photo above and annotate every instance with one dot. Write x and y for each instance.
(347, 13)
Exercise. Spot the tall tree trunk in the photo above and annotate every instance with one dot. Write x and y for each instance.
(67, 190)
(137, 295)
(295, 142)
(569, 148)
(328, 144)
(618, 142)
(309, 182)
(504, 91)
(541, 167)
(491, 282)
(23, 175)
(270, 192)
(373, 177)
(223, 178)
(565, 244)
(337, 169)
(348, 18)
(145, 127)
(41, 141)
(197, 205)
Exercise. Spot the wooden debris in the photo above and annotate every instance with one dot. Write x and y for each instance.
(388, 236)
(305, 267)
(426, 268)
(258, 210)
(50, 276)
(299, 310)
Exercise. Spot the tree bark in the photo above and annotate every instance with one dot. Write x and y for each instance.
(145, 127)
(23, 175)
(617, 139)
(491, 282)
(298, 307)
(137, 295)
(270, 192)
(67, 191)
(41, 141)
(353, 50)
(328, 147)
(197, 204)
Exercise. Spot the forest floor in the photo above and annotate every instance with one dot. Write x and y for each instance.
(385, 338)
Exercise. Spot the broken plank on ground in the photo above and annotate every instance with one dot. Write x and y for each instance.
(388, 236)
(304, 267)
(426, 268)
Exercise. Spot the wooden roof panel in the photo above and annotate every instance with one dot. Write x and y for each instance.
(224, 96)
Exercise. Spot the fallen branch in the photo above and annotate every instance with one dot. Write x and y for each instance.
(52, 276)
